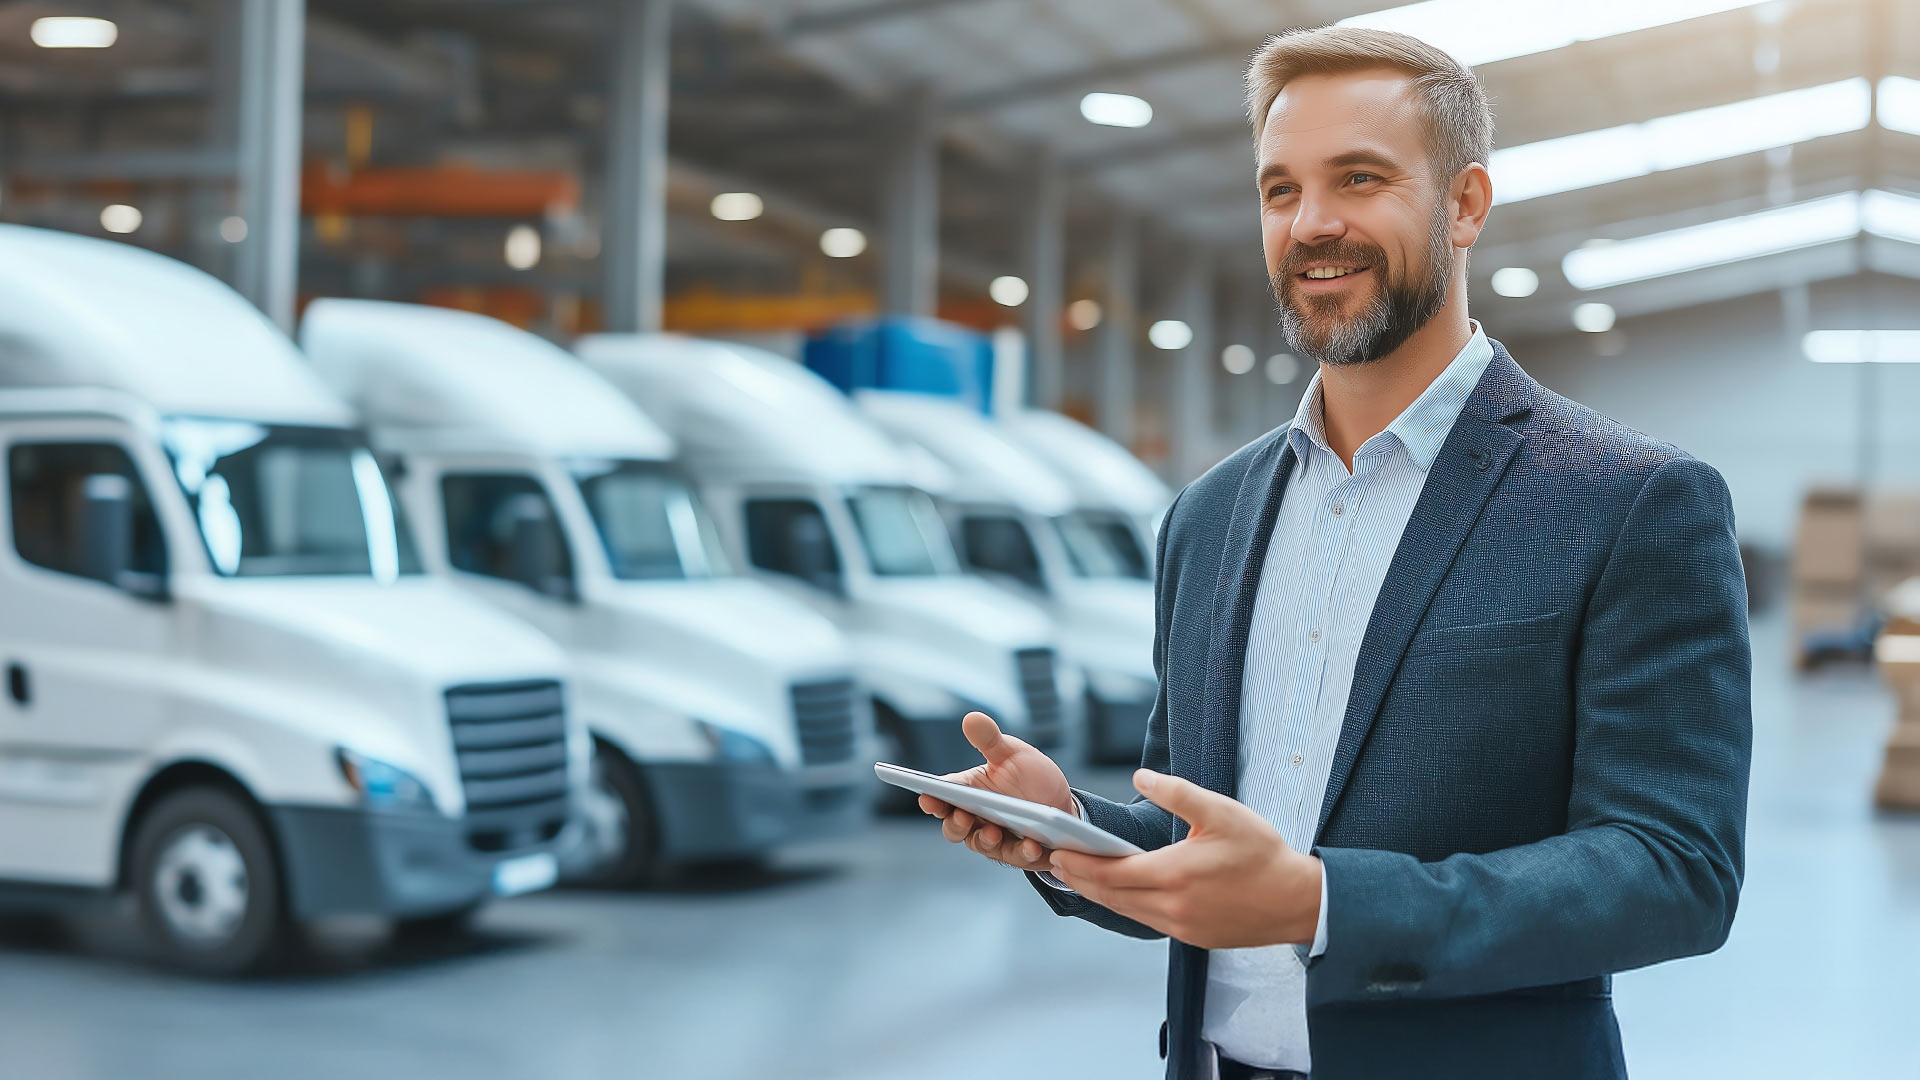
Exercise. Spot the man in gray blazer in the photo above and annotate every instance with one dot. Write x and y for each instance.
(1453, 715)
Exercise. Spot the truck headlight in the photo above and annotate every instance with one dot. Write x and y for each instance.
(1118, 686)
(383, 786)
(734, 746)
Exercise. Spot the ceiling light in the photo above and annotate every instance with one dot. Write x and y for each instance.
(120, 218)
(1116, 110)
(73, 32)
(737, 206)
(1591, 158)
(1170, 334)
(843, 243)
(523, 247)
(1515, 281)
(1896, 217)
(1083, 314)
(1898, 106)
(1282, 368)
(1862, 346)
(1592, 318)
(1484, 31)
(1007, 290)
(233, 229)
(1769, 232)
(1237, 359)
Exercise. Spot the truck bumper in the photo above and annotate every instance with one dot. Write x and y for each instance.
(725, 810)
(343, 860)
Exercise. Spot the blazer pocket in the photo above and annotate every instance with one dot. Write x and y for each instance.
(1515, 632)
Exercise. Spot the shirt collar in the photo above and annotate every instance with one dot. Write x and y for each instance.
(1423, 427)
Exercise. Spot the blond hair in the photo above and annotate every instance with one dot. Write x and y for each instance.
(1458, 120)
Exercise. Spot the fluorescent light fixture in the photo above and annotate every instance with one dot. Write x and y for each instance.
(233, 229)
(737, 206)
(120, 218)
(1899, 104)
(1769, 232)
(1084, 314)
(1896, 217)
(1237, 359)
(843, 243)
(1485, 31)
(1862, 346)
(1116, 110)
(523, 247)
(1007, 290)
(1170, 334)
(1282, 368)
(1591, 158)
(73, 32)
(1515, 281)
(1593, 318)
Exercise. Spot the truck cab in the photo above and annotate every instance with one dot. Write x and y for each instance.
(230, 691)
(725, 716)
(1017, 521)
(821, 504)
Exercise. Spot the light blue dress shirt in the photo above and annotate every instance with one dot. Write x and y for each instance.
(1332, 543)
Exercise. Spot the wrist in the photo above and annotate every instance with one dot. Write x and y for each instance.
(1301, 904)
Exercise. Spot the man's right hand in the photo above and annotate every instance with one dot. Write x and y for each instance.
(1012, 768)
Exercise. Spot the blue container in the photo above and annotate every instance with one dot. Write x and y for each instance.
(927, 356)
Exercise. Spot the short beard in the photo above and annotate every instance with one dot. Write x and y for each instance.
(1395, 312)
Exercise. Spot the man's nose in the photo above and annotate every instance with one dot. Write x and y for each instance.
(1314, 222)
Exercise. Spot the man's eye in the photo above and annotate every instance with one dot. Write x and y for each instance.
(1278, 190)
(1363, 176)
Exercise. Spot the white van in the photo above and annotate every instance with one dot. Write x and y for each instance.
(825, 506)
(725, 716)
(1016, 520)
(229, 689)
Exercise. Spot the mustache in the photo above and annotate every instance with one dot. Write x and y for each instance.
(1346, 254)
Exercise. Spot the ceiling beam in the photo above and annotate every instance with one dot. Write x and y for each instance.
(1111, 71)
(854, 16)
(1200, 136)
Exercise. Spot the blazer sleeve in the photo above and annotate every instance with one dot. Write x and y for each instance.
(1650, 866)
(1138, 821)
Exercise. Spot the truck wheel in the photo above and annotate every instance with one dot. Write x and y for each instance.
(208, 884)
(622, 848)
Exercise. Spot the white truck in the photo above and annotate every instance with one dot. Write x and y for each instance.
(229, 689)
(822, 504)
(725, 716)
(1016, 520)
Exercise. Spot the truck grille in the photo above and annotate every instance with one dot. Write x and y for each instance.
(1042, 694)
(823, 714)
(511, 742)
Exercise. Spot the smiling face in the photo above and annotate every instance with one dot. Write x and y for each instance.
(1354, 217)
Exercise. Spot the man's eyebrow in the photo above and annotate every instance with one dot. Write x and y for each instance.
(1278, 169)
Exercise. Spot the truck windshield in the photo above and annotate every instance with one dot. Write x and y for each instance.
(901, 532)
(1102, 545)
(284, 501)
(650, 522)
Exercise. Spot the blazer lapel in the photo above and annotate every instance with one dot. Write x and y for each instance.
(1248, 531)
(1468, 468)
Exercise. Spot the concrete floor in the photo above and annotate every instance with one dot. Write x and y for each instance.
(894, 955)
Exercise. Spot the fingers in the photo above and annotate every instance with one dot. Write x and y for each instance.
(1001, 846)
(956, 825)
(1184, 799)
(1151, 870)
(986, 737)
(931, 805)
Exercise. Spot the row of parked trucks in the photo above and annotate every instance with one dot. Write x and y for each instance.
(425, 610)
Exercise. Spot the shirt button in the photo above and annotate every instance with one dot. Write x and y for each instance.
(1338, 509)
(1296, 759)
(1313, 634)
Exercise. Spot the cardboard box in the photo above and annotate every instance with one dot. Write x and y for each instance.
(1899, 784)
(1890, 526)
(1828, 546)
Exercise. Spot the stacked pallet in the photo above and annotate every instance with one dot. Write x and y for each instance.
(1898, 654)
(1827, 567)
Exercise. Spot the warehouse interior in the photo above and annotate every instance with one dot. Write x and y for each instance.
(1706, 226)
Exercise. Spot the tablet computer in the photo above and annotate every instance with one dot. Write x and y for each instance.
(1031, 820)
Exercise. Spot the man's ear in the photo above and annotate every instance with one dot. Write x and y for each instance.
(1470, 200)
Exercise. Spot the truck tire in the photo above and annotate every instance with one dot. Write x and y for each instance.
(622, 839)
(207, 880)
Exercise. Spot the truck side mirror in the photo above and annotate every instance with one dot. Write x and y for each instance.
(534, 553)
(106, 536)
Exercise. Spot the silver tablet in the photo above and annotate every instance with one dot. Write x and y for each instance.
(1034, 821)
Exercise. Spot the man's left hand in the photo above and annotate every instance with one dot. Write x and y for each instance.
(1232, 883)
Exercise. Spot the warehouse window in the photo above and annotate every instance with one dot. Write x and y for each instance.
(790, 536)
(490, 517)
(48, 483)
(1000, 544)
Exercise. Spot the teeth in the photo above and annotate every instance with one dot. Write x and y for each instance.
(1319, 273)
